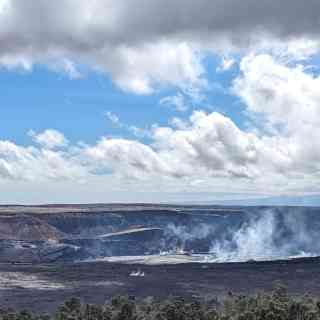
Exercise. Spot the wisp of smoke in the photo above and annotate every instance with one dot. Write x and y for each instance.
(178, 236)
(267, 236)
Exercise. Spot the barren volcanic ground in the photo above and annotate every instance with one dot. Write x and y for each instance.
(50, 253)
(43, 287)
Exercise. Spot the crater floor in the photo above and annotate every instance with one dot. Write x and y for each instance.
(43, 287)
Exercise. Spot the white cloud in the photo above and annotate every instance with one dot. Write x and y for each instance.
(136, 131)
(288, 98)
(12, 62)
(209, 152)
(125, 157)
(158, 45)
(142, 69)
(210, 146)
(32, 164)
(178, 123)
(285, 95)
(177, 102)
(49, 138)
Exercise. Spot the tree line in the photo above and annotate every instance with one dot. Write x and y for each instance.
(277, 305)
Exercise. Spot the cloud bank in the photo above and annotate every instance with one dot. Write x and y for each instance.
(145, 44)
(209, 151)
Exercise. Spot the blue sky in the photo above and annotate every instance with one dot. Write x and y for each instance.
(104, 103)
(39, 99)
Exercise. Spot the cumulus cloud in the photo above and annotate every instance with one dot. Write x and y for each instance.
(207, 152)
(288, 99)
(34, 164)
(209, 145)
(91, 33)
(125, 157)
(157, 45)
(144, 68)
(49, 138)
(285, 95)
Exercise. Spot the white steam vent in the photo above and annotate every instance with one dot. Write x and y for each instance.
(137, 273)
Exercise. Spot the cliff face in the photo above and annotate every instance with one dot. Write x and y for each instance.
(29, 228)
(73, 233)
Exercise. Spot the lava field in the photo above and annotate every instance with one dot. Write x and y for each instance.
(51, 253)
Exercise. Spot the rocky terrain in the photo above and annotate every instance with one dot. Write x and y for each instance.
(49, 253)
(42, 288)
(72, 233)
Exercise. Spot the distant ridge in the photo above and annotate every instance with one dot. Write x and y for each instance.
(288, 201)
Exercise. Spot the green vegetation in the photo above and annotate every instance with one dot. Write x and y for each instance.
(277, 305)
